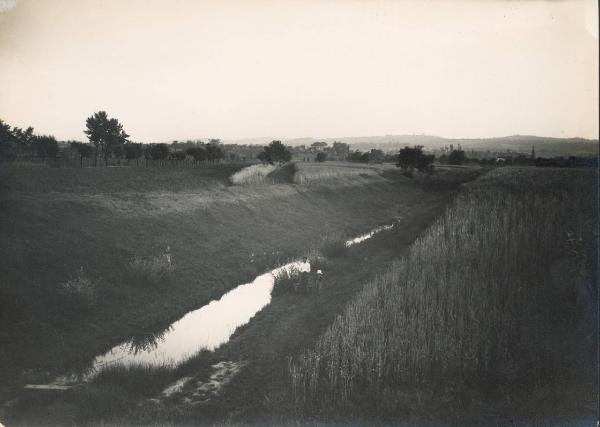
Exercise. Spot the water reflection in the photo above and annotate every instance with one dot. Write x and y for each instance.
(368, 235)
(148, 341)
(205, 328)
(208, 327)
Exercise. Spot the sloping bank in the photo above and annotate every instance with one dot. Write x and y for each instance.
(109, 229)
(490, 318)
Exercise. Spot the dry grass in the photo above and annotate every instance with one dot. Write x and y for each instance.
(255, 174)
(311, 173)
(494, 301)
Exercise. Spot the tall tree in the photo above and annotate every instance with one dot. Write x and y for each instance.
(105, 134)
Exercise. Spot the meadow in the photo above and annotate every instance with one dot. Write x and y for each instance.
(491, 313)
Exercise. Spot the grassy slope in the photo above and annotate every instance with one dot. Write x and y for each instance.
(54, 221)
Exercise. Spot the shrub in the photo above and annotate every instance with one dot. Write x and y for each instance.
(153, 269)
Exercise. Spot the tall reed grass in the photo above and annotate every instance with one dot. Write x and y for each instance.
(255, 174)
(309, 174)
(495, 298)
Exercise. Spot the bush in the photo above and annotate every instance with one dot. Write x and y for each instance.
(153, 269)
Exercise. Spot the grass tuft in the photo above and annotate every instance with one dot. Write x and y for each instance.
(80, 289)
(151, 270)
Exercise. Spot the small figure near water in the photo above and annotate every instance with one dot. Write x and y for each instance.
(304, 273)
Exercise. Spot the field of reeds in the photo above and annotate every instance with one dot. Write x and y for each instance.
(493, 311)
(310, 173)
(254, 174)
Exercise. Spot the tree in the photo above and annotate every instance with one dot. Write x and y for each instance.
(376, 156)
(178, 155)
(410, 158)
(264, 157)
(24, 139)
(6, 140)
(214, 152)
(105, 134)
(159, 151)
(84, 150)
(45, 145)
(318, 146)
(321, 157)
(457, 157)
(118, 151)
(197, 153)
(425, 162)
(357, 156)
(340, 150)
(6, 135)
(133, 150)
(275, 152)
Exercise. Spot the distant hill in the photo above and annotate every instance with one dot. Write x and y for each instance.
(544, 146)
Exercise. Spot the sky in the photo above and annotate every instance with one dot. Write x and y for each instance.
(177, 70)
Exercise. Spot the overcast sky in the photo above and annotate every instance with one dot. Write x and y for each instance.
(232, 69)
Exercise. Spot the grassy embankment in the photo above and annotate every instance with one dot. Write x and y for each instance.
(54, 222)
(491, 313)
(343, 207)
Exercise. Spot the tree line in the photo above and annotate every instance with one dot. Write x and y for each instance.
(14, 141)
(108, 140)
